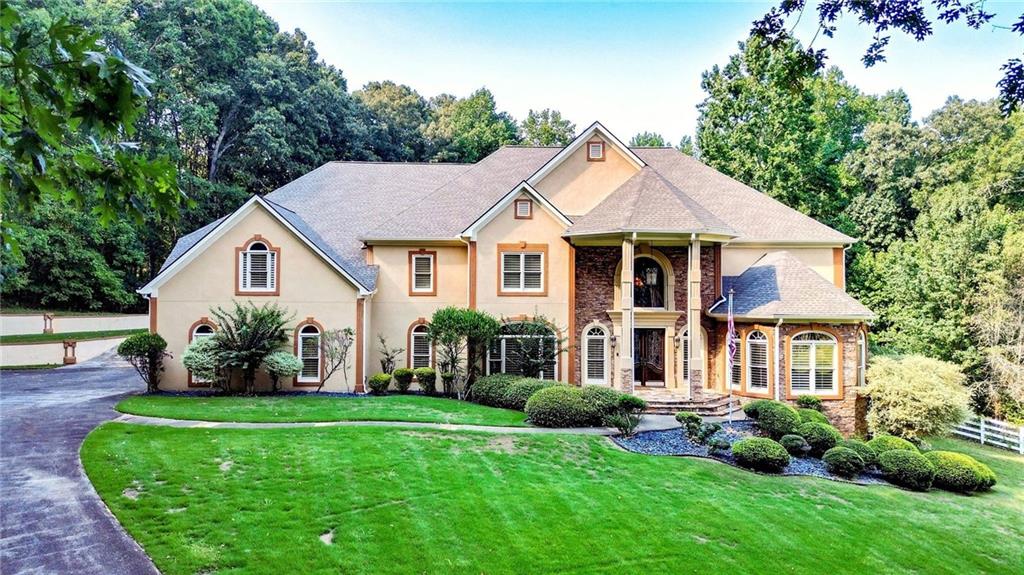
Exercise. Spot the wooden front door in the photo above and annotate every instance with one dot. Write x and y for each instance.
(649, 357)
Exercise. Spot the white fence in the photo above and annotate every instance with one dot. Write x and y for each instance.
(988, 431)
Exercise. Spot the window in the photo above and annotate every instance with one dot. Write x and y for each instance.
(595, 151)
(522, 272)
(757, 361)
(524, 209)
(812, 363)
(257, 268)
(648, 283)
(199, 331)
(518, 354)
(309, 353)
(685, 343)
(862, 358)
(421, 353)
(421, 273)
(595, 356)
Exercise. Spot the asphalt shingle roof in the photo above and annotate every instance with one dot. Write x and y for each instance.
(779, 285)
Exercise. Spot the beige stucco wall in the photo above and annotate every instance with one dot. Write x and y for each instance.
(309, 288)
(576, 186)
(735, 260)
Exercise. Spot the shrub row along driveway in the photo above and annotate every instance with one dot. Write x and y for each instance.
(52, 520)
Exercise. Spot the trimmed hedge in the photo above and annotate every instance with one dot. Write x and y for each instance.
(843, 461)
(379, 383)
(490, 390)
(809, 402)
(761, 454)
(777, 419)
(403, 379)
(820, 436)
(604, 401)
(883, 443)
(559, 406)
(863, 450)
(427, 379)
(796, 446)
(812, 416)
(958, 472)
(519, 391)
(752, 408)
(908, 469)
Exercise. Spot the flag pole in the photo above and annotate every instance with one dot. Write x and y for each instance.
(730, 346)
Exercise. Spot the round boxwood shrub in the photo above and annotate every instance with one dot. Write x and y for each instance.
(426, 377)
(519, 391)
(883, 443)
(812, 416)
(403, 379)
(988, 477)
(907, 469)
(603, 400)
(957, 472)
(379, 383)
(796, 446)
(843, 461)
(809, 402)
(490, 390)
(559, 406)
(761, 454)
(777, 419)
(863, 450)
(751, 409)
(820, 436)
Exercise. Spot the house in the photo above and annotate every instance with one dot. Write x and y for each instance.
(630, 253)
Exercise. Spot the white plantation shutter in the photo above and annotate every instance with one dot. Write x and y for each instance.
(271, 271)
(420, 346)
(511, 266)
(800, 367)
(824, 360)
(533, 272)
(522, 271)
(596, 361)
(686, 355)
(813, 365)
(506, 354)
(243, 264)
(423, 273)
(309, 353)
(258, 268)
(757, 361)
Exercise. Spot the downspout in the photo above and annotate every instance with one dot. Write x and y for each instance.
(778, 363)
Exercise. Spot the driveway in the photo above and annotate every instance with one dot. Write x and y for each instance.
(51, 519)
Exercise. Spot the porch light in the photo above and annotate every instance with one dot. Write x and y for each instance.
(651, 276)
(614, 341)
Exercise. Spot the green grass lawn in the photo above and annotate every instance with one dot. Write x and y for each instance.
(321, 408)
(75, 335)
(392, 500)
(30, 366)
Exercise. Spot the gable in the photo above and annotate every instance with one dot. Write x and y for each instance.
(578, 184)
(508, 205)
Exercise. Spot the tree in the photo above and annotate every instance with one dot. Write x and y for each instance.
(200, 359)
(67, 108)
(466, 130)
(146, 352)
(647, 139)
(335, 345)
(687, 146)
(914, 397)
(458, 332)
(388, 355)
(396, 115)
(999, 325)
(247, 335)
(547, 128)
(281, 365)
(907, 16)
(537, 348)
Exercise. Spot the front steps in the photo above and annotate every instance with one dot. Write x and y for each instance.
(669, 402)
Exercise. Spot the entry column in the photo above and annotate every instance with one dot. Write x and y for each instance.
(693, 312)
(626, 305)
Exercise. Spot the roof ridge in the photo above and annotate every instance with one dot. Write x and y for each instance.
(390, 163)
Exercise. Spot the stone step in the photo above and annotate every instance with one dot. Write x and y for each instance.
(716, 406)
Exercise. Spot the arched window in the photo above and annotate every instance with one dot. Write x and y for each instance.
(757, 361)
(862, 358)
(257, 268)
(421, 352)
(310, 353)
(812, 366)
(648, 283)
(201, 329)
(524, 348)
(595, 356)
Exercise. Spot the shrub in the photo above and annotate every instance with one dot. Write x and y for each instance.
(688, 419)
(882, 443)
(427, 378)
(403, 379)
(958, 472)
(247, 335)
(559, 406)
(988, 477)
(915, 396)
(490, 389)
(631, 403)
(200, 358)
(843, 461)
(519, 391)
(908, 469)
(777, 419)
(863, 450)
(626, 416)
(752, 408)
(379, 383)
(812, 416)
(796, 446)
(604, 401)
(146, 352)
(718, 445)
(761, 454)
(281, 364)
(820, 436)
(809, 402)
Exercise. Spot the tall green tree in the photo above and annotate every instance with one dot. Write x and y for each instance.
(547, 127)
(466, 130)
(647, 139)
(396, 117)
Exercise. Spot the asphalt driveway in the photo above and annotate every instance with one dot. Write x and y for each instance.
(51, 519)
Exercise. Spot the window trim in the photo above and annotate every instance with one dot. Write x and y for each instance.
(591, 158)
(191, 337)
(748, 363)
(239, 250)
(297, 381)
(585, 355)
(420, 322)
(837, 365)
(557, 333)
(522, 248)
(529, 209)
(413, 254)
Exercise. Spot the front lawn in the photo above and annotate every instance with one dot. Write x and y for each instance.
(296, 408)
(75, 335)
(389, 500)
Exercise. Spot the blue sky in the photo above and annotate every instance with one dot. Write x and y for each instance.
(633, 66)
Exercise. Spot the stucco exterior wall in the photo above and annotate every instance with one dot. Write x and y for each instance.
(577, 185)
(308, 288)
(737, 259)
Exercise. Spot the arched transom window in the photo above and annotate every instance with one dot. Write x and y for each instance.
(257, 268)
(524, 349)
(757, 361)
(421, 353)
(648, 283)
(200, 330)
(595, 356)
(812, 366)
(310, 353)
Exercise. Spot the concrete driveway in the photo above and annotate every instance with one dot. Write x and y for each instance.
(51, 519)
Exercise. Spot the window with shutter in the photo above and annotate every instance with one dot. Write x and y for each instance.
(595, 355)
(310, 354)
(257, 268)
(757, 362)
(421, 350)
(862, 358)
(422, 273)
(684, 342)
(813, 363)
(522, 272)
